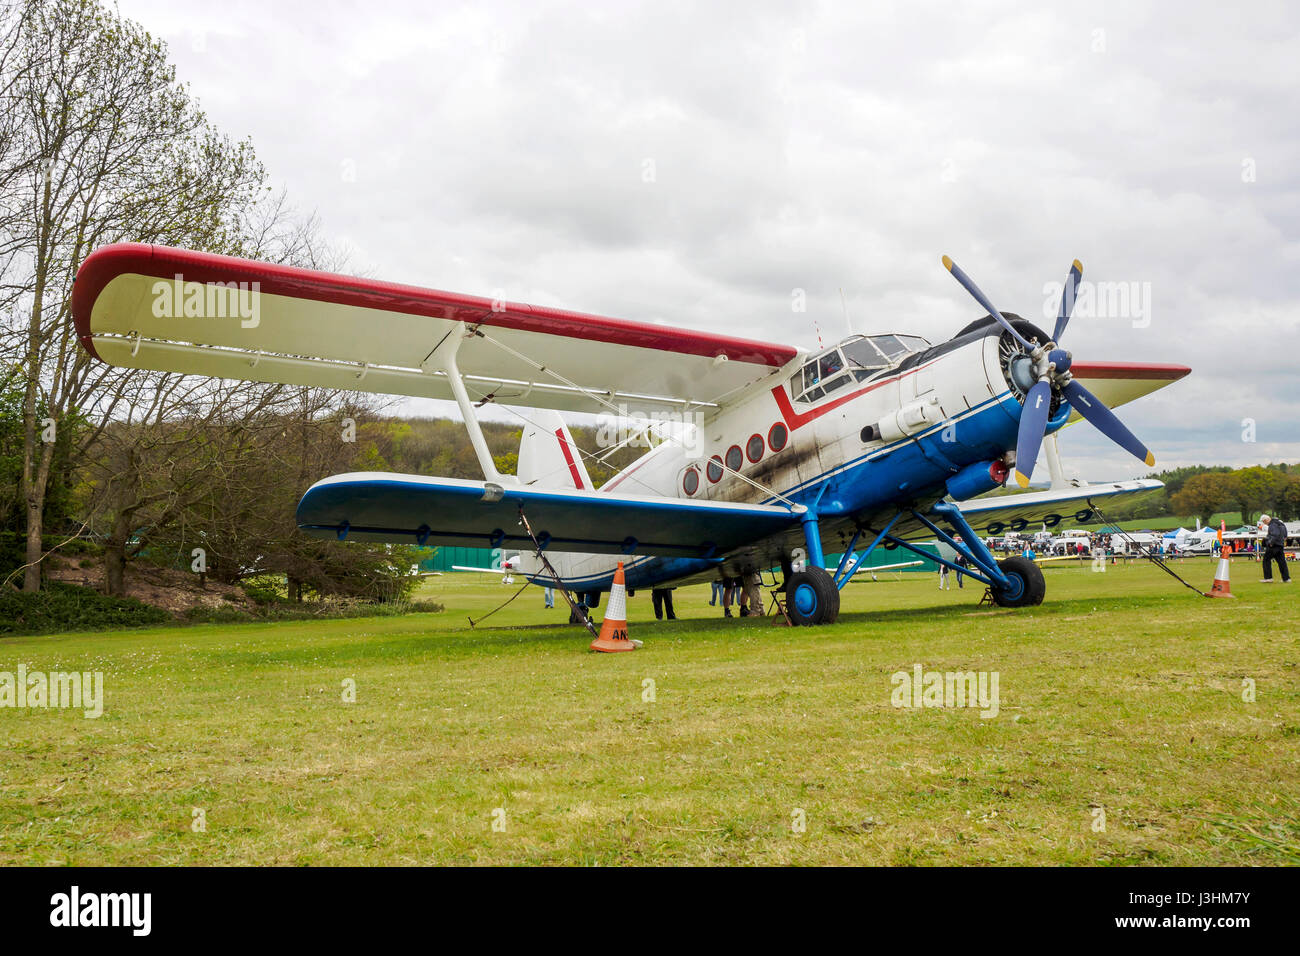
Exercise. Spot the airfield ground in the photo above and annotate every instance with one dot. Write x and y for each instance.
(1123, 694)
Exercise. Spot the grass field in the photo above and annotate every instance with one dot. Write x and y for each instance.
(1122, 694)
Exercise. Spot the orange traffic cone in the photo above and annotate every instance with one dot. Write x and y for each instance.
(613, 629)
(1221, 588)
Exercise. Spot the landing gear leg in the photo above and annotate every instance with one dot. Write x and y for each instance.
(811, 595)
(1013, 582)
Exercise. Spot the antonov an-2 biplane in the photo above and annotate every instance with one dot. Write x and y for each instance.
(780, 456)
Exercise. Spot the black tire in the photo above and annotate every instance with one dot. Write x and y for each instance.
(812, 598)
(1028, 586)
(591, 599)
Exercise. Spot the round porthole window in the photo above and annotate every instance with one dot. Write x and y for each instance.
(691, 481)
(735, 458)
(777, 437)
(715, 469)
(754, 448)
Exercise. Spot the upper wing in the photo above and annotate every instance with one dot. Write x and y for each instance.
(1116, 383)
(375, 506)
(1001, 513)
(166, 309)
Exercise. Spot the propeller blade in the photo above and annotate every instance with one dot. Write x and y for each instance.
(1033, 423)
(982, 299)
(1068, 296)
(1095, 411)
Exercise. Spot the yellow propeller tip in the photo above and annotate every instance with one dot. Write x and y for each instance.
(1078, 266)
(947, 263)
(1022, 480)
(1151, 459)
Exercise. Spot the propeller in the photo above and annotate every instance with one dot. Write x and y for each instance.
(1049, 365)
(1069, 292)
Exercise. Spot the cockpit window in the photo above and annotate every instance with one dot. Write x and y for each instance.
(865, 360)
(890, 345)
(853, 360)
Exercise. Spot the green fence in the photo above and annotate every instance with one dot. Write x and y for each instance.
(443, 559)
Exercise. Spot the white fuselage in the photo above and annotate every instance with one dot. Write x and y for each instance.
(783, 442)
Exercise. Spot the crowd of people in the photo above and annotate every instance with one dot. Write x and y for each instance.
(744, 592)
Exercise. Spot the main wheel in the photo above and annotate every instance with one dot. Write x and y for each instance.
(811, 597)
(1025, 578)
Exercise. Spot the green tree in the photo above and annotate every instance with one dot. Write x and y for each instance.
(1258, 489)
(1205, 494)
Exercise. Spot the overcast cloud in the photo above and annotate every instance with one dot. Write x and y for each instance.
(500, 146)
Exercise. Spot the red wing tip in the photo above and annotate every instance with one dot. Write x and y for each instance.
(1158, 371)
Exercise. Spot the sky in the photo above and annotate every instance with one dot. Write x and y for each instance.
(696, 164)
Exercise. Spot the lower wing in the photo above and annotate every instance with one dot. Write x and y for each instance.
(1002, 513)
(413, 509)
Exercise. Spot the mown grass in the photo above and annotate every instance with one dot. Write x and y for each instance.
(1122, 693)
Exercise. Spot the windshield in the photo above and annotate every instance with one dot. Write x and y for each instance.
(853, 360)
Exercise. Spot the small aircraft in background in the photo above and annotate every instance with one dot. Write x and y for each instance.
(879, 440)
(507, 569)
(897, 566)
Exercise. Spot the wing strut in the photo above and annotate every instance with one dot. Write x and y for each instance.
(446, 362)
(599, 398)
(618, 411)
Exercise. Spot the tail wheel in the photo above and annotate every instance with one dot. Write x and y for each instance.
(812, 598)
(1026, 586)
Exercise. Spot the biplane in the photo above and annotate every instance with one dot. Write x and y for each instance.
(759, 450)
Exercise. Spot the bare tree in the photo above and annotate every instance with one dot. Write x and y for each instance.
(184, 461)
(178, 438)
(106, 147)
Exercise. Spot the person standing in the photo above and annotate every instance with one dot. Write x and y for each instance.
(753, 596)
(717, 593)
(550, 597)
(1274, 548)
(728, 595)
(663, 601)
(961, 562)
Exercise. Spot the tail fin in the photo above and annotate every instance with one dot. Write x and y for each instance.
(548, 457)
